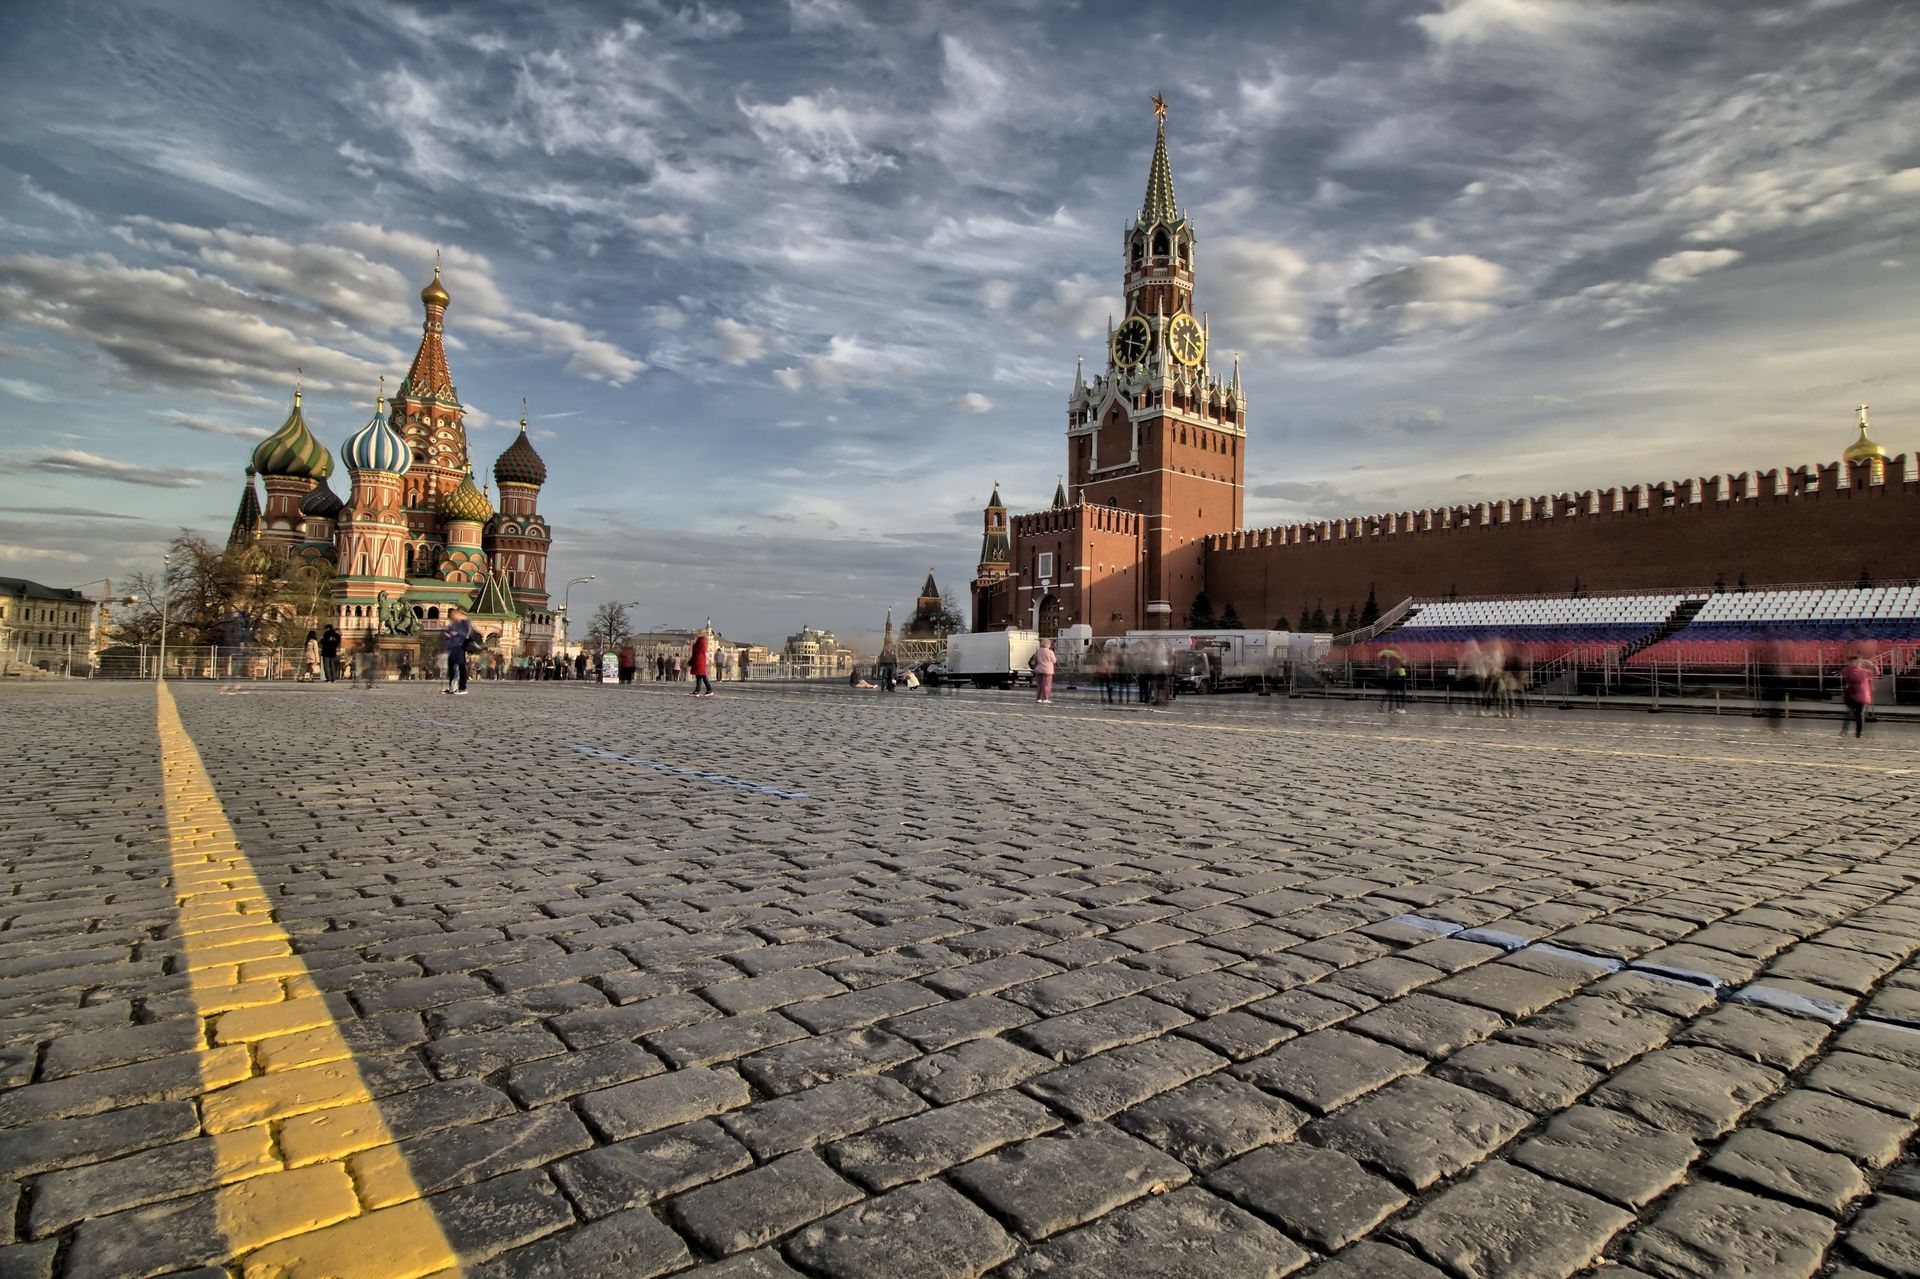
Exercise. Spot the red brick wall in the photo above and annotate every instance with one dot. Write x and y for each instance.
(1826, 536)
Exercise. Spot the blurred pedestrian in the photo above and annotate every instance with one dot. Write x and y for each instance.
(626, 663)
(458, 631)
(310, 667)
(580, 664)
(1857, 683)
(368, 660)
(889, 662)
(1043, 663)
(697, 663)
(330, 653)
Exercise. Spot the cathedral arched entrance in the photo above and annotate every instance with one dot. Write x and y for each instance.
(1046, 616)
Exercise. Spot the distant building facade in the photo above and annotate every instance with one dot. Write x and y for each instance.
(44, 625)
(1150, 515)
(815, 654)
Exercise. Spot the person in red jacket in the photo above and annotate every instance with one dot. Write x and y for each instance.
(1857, 681)
(702, 687)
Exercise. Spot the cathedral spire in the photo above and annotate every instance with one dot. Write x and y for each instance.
(246, 521)
(1159, 205)
(429, 378)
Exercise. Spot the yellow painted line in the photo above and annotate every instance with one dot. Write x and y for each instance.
(275, 1057)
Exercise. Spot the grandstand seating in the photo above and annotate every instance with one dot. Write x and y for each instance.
(1536, 630)
(1808, 627)
(1798, 627)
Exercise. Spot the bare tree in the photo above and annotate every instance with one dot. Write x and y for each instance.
(609, 627)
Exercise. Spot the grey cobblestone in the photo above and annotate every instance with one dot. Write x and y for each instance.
(1051, 1183)
(753, 1208)
(1217, 980)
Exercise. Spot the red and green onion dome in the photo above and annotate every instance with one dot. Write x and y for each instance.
(321, 503)
(293, 450)
(520, 464)
(466, 503)
(377, 446)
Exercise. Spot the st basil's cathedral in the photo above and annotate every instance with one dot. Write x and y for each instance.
(414, 531)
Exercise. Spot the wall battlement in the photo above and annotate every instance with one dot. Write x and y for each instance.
(1103, 519)
(1638, 500)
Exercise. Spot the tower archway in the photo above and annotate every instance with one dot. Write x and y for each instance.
(1046, 616)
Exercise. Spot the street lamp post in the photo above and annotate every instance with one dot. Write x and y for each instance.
(166, 606)
(566, 599)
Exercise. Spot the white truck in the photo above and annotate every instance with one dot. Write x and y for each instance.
(1214, 660)
(990, 659)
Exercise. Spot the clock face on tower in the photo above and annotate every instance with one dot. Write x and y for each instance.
(1131, 340)
(1185, 339)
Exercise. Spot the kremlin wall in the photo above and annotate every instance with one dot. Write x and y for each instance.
(1828, 524)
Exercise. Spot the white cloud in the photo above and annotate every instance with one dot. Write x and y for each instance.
(1479, 21)
(20, 389)
(1079, 307)
(1256, 287)
(998, 295)
(1678, 268)
(813, 135)
(25, 554)
(736, 343)
(92, 465)
(973, 402)
(1433, 292)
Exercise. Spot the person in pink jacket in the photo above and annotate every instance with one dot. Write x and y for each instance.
(697, 664)
(1043, 664)
(1857, 681)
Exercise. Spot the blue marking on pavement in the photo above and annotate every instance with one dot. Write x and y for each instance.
(1722, 989)
(1606, 962)
(1494, 937)
(1426, 925)
(1692, 976)
(1789, 1001)
(699, 774)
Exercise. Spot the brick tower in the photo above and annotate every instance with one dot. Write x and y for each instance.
(1158, 435)
(372, 526)
(427, 413)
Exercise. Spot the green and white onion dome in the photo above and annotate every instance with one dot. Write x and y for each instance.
(377, 446)
(293, 450)
(466, 502)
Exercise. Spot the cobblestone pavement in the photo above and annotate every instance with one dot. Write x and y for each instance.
(810, 982)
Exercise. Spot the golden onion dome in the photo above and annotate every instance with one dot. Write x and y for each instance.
(435, 294)
(1864, 449)
(466, 503)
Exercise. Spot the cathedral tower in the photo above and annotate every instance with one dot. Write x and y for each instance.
(518, 539)
(427, 413)
(373, 524)
(1158, 434)
(289, 461)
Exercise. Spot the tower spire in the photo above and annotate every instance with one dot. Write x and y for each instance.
(1159, 205)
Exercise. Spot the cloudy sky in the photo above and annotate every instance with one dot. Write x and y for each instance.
(788, 285)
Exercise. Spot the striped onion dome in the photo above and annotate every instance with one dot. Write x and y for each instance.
(466, 503)
(321, 503)
(377, 446)
(520, 464)
(292, 450)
